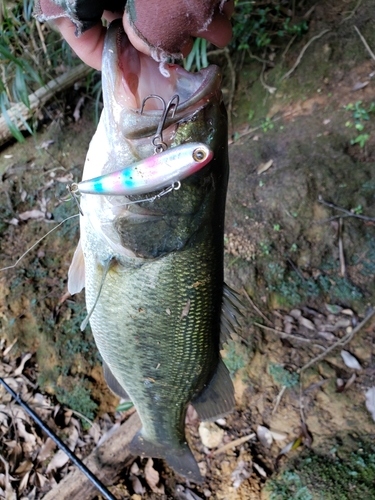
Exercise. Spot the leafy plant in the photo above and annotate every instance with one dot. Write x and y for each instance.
(361, 116)
(282, 376)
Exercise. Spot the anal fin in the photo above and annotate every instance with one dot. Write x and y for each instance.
(217, 399)
(113, 383)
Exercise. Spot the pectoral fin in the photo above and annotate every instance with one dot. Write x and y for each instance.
(217, 399)
(76, 273)
(113, 383)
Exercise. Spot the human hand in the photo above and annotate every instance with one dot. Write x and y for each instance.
(167, 29)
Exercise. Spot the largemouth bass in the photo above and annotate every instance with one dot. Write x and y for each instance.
(153, 265)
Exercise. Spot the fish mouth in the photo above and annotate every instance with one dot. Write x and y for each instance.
(130, 76)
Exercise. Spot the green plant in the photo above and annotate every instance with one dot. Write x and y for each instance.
(361, 116)
(28, 59)
(282, 376)
(258, 24)
(198, 56)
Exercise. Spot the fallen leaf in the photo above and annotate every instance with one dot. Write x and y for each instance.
(263, 167)
(359, 86)
(137, 485)
(31, 214)
(21, 366)
(278, 436)
(350, 360)
(152, 477)
(260, 469)
(306, 323)
(264, 436)
(370, 401)
(240, 474)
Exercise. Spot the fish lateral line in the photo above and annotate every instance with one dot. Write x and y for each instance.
(37, 243)
(152, 173)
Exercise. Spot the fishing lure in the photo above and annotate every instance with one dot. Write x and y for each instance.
(151, 174)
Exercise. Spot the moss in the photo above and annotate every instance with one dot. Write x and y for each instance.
(78, 398)
(282, 376)
(325, 477)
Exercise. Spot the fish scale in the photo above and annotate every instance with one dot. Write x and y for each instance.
(114, 323)
(153, 266)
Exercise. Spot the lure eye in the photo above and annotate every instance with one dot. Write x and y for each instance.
(199, 155)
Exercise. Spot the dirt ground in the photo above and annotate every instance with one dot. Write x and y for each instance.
(300, 248)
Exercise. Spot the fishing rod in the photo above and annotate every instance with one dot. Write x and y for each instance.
(73, 457)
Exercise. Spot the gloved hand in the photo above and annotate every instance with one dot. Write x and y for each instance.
(161, 28)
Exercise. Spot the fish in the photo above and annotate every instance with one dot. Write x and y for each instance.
(152, 264)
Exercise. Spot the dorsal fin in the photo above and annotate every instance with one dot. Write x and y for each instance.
(76, 273)
(230, 313)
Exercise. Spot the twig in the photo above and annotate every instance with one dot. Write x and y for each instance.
(288, 335)
(347, 338)
(232, 444)
(352, 12)
(288, 47)
(271, 90)
(278, 399)
(345, 211)
(299, 59)
(365, 43)
(37, 243)
(341, 251)
(256, 308)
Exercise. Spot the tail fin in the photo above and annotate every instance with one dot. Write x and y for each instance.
(180, 459)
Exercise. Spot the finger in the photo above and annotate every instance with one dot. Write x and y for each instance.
(89, 46)
(219, 31)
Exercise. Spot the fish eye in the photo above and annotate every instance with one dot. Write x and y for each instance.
(199, 155)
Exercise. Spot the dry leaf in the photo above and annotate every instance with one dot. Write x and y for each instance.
(260, 469)
(137, 486)
(350, 360)
(306, 323)
(152, 477)
(264, 436)
(31, 214)
(240, 474)
(19, 370)
(263, 167)
(278, 436)
(370, 401)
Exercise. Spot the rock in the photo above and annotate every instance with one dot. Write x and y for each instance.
(211, 434)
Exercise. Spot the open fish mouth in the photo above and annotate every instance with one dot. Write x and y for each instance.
(131, 77)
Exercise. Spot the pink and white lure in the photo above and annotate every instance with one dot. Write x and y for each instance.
(153, 173)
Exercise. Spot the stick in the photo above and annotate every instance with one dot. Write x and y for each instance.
(348, 212)
(255, 307)
(352, 12)
(19, 113)
(36, 243)
(287, 335)
(347, 338)
(341, 250)
(365, 43)
(234, 443)
(299, 59)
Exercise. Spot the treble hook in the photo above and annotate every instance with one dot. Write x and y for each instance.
(157, 141)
